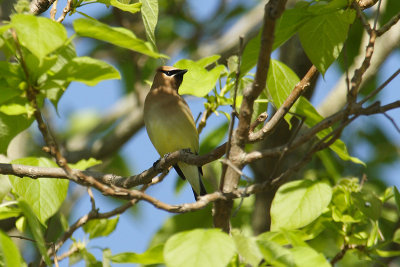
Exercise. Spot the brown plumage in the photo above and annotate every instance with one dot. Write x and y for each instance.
(170, 124)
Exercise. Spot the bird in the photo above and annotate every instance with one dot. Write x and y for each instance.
(170, 124)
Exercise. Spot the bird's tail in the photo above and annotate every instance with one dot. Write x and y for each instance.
(193, 175)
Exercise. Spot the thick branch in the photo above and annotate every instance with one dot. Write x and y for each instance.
(222, 209)
(37, 7)
(111, 179)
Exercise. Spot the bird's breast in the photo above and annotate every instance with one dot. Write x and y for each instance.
(169, 123)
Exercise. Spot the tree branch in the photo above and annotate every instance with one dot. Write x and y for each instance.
(37, 7)
(285, 107)
(222, 209)
(385, 44)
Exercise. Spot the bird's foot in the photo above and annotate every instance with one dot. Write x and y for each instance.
(156, 163)
(187, 150)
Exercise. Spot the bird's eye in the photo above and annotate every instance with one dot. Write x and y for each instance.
(167, 72)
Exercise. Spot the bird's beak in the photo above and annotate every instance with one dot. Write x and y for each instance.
(181, 72)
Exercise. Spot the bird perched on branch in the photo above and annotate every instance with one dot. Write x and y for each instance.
(170, 124)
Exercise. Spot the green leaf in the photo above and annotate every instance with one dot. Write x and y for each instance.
(44, 195)
(9, 253)
(90, 259)
(387, 254)
(280, 83)
(275, 254)
(207, 61)
(100, 227)
(198, 81)
(106, 262)
(84, 164)
(250, 55)
(214, 138)
(132, 8)
(369, 204)
(10, 126)
(9, 212)
(150, 17)
(17, 109)
(182, 222)
(5, 187)
(247, 248)
(397, 197)
(373, 235)
(396, 236)
(40, 35)
(54, 89)
(20, 224)
(305, 109)
(322, 37)
(36, 230)
(198, 248)
(7, 92)
(289, 23)
(306, 256)
(87, 70)
(298, 203)
(115, 35)
(10, 79)
(151, 256)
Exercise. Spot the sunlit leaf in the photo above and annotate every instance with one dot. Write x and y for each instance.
(10, 126)
(132, 8)
(44, 195)
(115, 35)
(298, 203)
(9, 253)
(17, 109)
(368, 203)
(39, 34)
(198, 248)
(150, 16)
(87, 70)
(151, 256)
(306, 256)
(275, 254)
(198, 81)
(322, 37)
(84, 164)
(100, 227)
(247, 248)
(36, 230)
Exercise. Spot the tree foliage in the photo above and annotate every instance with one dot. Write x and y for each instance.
(321, 213)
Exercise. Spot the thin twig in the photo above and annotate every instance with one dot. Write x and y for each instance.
(392, 121)
(377, 15)
(53, 10)
(388, 25)
(361, 15)
(383, 85)
(203, 120)
(67, 8)
(236, 169)
(285, 107)
(358, 73)
(260, 119)
(92, 201)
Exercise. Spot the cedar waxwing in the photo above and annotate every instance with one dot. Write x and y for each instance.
(170, 124)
